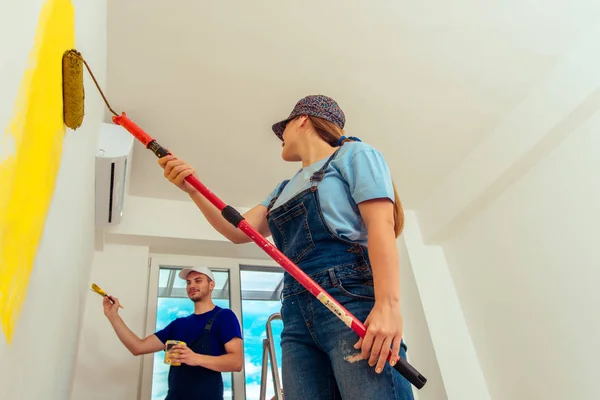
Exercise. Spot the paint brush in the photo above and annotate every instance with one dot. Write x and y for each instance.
(98, 289)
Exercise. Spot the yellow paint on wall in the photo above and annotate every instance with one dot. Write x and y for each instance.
(28, 176)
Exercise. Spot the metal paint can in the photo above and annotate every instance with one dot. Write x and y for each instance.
(169, 346)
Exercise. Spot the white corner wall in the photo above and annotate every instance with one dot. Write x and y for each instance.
(417, 336)
(516, 223)
(456, 371)
(527, 271)
(105, 369)
(39, 362)
(121, 267)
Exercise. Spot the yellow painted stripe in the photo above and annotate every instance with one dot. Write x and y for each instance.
(28, 175)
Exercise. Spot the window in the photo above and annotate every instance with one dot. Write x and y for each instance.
(173, 303)
(261, 290)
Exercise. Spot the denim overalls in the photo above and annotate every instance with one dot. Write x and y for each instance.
(319, 360)
(196, 383)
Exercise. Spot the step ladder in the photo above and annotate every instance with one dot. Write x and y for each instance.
(269, 352)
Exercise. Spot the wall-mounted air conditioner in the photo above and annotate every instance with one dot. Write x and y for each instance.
(113, 162)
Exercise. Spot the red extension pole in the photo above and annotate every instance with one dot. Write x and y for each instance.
(229, 213)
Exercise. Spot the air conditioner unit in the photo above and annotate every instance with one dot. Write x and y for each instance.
(113, 162)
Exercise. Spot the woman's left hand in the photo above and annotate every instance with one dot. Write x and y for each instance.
(384, 330)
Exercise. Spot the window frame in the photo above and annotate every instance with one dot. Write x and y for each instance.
(234, 267)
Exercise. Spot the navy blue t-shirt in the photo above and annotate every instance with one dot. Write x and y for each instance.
(188, 329)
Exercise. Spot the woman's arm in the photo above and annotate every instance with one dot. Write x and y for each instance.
(176, 170)
(384, 324)
(256, 217)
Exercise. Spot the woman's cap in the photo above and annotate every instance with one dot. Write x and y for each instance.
(315, 106)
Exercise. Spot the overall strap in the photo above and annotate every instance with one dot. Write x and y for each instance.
(207, 329)
(210, 322)
(320, 174)
(274, 199)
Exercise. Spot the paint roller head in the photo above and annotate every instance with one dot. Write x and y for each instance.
(73, 92)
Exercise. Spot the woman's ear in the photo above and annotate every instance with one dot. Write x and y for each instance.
(302, 121)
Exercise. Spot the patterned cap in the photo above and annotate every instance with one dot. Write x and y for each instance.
(315, 106)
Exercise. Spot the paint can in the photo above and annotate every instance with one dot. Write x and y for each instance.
(170, 344)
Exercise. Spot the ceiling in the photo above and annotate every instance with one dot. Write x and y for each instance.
(423, 81)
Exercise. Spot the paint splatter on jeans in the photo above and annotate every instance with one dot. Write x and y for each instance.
(319, 359)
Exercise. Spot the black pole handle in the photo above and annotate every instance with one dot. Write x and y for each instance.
(410, 373)
(158, 149)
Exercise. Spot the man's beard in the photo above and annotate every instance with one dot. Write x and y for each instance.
(199, 296)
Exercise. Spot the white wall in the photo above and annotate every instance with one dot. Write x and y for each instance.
(526, 270)
(104, 368)
(447, 331)
(417, 336)
(515, 220)
(39, 361)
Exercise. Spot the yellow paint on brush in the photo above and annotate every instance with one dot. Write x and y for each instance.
(28, 175)
(101, 292)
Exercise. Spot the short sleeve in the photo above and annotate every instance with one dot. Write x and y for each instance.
(274, 193)
(368, 176)
(164, 334)
(229, 326)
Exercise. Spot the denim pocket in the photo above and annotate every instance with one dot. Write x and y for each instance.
(357, 287)
(294, 229)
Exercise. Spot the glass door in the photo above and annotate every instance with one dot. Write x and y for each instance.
(261, 297)
(167, 300)
(173, 303)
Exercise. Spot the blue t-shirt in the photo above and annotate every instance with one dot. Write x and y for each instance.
(356, 174)
(187, 329)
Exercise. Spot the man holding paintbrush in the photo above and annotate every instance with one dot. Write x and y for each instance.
(211, 336)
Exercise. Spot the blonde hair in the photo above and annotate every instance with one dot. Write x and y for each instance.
(331, 133)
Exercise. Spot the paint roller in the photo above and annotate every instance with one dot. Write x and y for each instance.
(73, 110)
